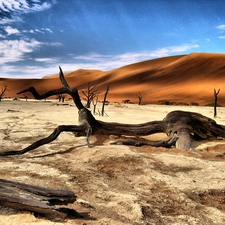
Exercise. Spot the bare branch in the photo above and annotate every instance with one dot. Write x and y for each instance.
(63, 80)
(4, 89)
(65, 90)
(90, 95)
(47, 94)
(50, 138)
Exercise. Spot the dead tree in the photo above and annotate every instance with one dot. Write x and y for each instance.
(104, 100)
(4, 89)
(26, 97)
(61, 97)
(139, 96)
(90, 94)
(181, 127)
(215, 101)
(42, 201)
(95, 102)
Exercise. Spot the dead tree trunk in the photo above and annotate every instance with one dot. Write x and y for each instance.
(95, 102)
(181, 127)
(89, 96)
(139, 96)
(215, 101)
(40, 200)
(2, 93)
(104, 101)
(59, 97)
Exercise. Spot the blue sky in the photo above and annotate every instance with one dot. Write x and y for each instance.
(37, 36)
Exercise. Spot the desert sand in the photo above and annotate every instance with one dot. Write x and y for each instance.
(182, 79)
(114, 184)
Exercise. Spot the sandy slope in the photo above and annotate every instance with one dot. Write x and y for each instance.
(114, 184)
(185, 78)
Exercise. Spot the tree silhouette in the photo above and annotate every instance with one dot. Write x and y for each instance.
(95, 102)
(4, 89)
(215, 101)
(104, 101)
(139, 96)
(90, 94)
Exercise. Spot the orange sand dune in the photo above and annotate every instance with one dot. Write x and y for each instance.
(184, 78)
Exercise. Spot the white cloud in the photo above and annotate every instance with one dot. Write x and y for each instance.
(41, 30)
(13, 5)
(49, 66)
(10, 30)
(28, 71)
(2, 36)
(32, 31)
(39, 7)
(17, 7)
(109, 61)
(9, 20)
(222, 37)
(15, 50)
(162, 52)
(49, 30)
(55, 44)
(221, 27)
(46, 60)
(23, 6)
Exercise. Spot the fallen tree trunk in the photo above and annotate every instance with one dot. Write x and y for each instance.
(40, 200)
(181, 127)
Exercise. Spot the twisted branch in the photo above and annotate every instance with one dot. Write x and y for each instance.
(43, 141)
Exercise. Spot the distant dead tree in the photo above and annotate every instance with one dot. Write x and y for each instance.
(61, 97)
(95, 102)
(139, 96)
(26, 97)
(127, 101)
(104, 101)
(4, 89)
(90, 94)
(215, 101)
